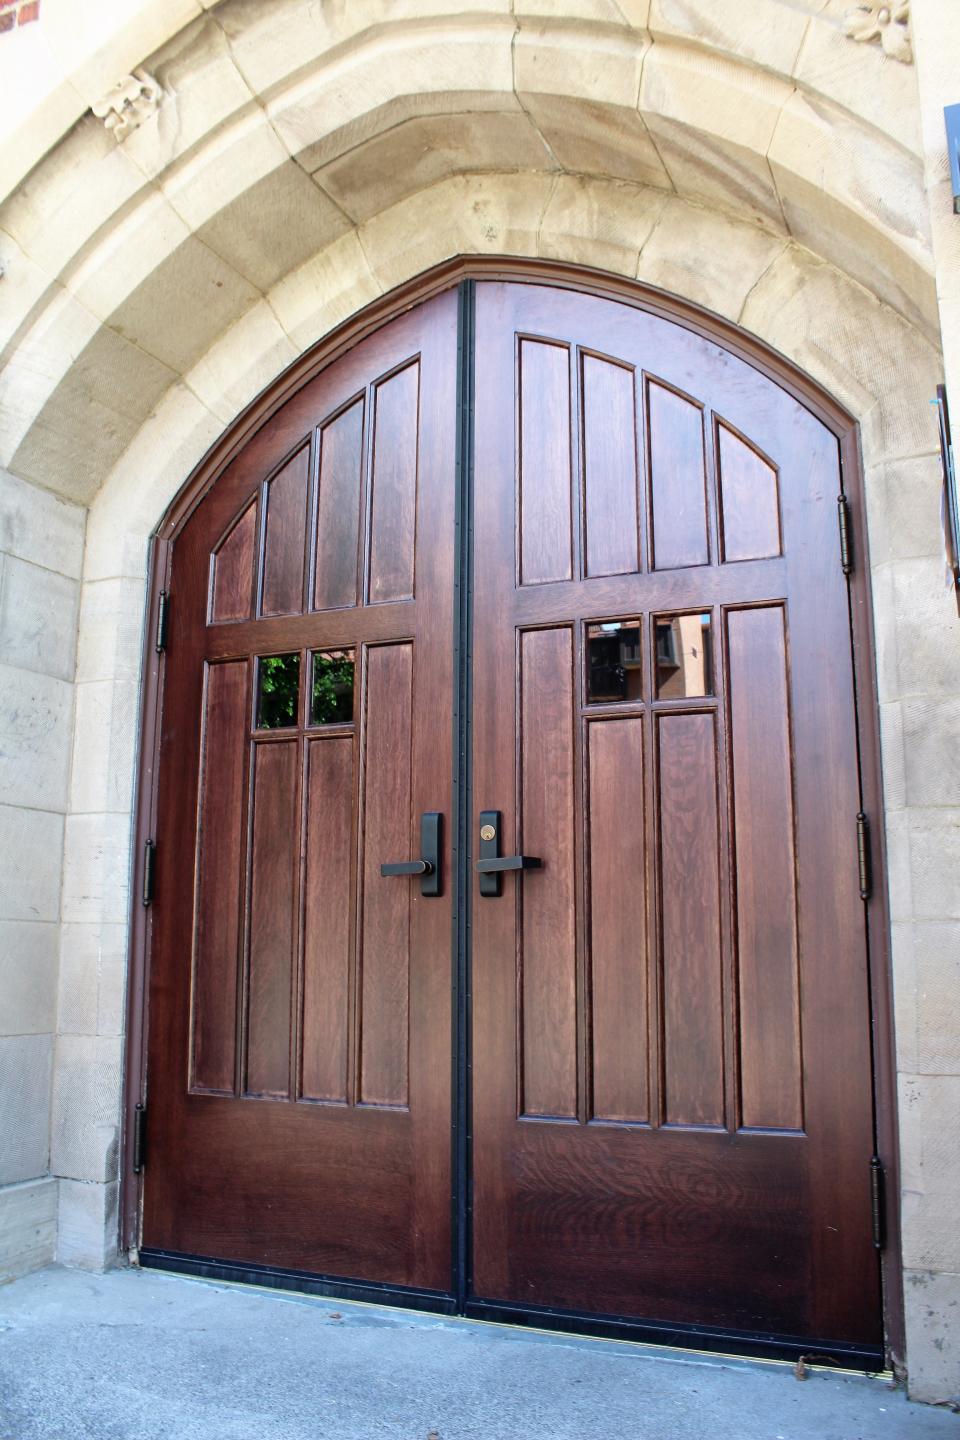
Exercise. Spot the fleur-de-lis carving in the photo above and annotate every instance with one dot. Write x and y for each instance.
(885, 20)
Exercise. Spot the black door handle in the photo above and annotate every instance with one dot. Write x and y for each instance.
(491, 863)
(428, 866)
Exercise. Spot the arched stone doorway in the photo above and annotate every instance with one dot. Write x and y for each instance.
(658, 1106)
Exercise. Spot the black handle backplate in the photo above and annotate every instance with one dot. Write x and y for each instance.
(428, 866)
(491, 864)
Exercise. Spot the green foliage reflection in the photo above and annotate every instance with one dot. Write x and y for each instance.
(332, 701)
(278, 689)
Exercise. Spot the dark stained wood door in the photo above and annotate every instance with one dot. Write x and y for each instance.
(299, 1074)
(671, 1053)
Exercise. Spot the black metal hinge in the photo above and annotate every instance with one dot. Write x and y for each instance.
(139, 1136)
(878, 1202)
(843, 520)
(163, 610)
(149, 862)
(863, 855)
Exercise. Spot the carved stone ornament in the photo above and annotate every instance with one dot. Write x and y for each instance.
(131, 101)
(887, 22)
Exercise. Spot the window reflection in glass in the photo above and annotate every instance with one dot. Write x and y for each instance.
(684, 659)
(278, 691)
(332, 687)
(613, 661)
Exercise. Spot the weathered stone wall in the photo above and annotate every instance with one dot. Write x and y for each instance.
(277, 164)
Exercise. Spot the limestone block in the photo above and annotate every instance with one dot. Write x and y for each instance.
(28, 978)
(859, 349)
(36, 108)
(39, 526)
(602, 12)
(935, 863)
(232, 192)
(932, 1303)
(583, 64)
(892, 755)
(706, 257)
(325, 291)
(765, 32)
(25, 1067)
(96, 870)
(931, 728)
(202, 88)
(927, 988)
(24, 285)
(899, 874)
(493, 214)
(903, 509)
(74, 395)
(590, 137)
(35, 715)
(92, 979)
(928, 658)
(93, 48)
(727, 103)
(111, 625)
(144, 481)
(86, 1106)
(75, 191)
(602, 223)
(270, 39)
(861, 78)
(930, 1159)
(88, 1229)
(234, 370)
(31, 842)
(38, 619)
(454, 59)
(423, 150)
(104, 747)
(28, 1227)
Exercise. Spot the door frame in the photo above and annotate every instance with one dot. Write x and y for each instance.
(459, 272)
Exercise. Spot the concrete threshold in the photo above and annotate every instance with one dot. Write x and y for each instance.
(137, 1353)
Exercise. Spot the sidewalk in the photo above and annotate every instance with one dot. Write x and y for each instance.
(156, 1357)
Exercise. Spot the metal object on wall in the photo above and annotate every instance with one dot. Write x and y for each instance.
(951, 115)
(950, 504)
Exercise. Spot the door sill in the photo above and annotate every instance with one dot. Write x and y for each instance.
(274, 1277)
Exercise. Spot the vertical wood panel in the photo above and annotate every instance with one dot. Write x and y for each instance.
(233, 571)
(284, 541)
(770, 1074)
(219, 857)
(549, 988)
(618, 921)
(690, 921)
(338, 510)
(393, 516)
(273, 867)
(678, 503)
(609, 468)
(388, 835)
(749, 500)
(545, 518)
(326, 919)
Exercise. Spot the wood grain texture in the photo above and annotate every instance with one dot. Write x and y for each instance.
(393, 510)
(548, 951)
(274, 858)
(389, 834)
(676, 480)
(618, 921)
(232, 586)
(339, 500)
(284, 537)
(762, 763)
(692, 989)
(546, 525)
(219, 878)
(609, 468)
(326, 919)
(749, 500)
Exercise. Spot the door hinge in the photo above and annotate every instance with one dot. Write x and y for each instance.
(139, 1136)
(863, 855)
(163, 610)
(878, 1202)
(149, 862)
(843, 520)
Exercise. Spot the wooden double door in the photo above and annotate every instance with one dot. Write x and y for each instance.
(539, 582)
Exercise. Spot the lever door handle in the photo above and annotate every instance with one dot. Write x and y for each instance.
(491, 864)
(428, 866)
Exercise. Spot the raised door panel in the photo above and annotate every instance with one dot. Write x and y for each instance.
(393, 485)
(544, 464)
(340, 491)
(284, 541)
(676, 479)
(612, 534)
